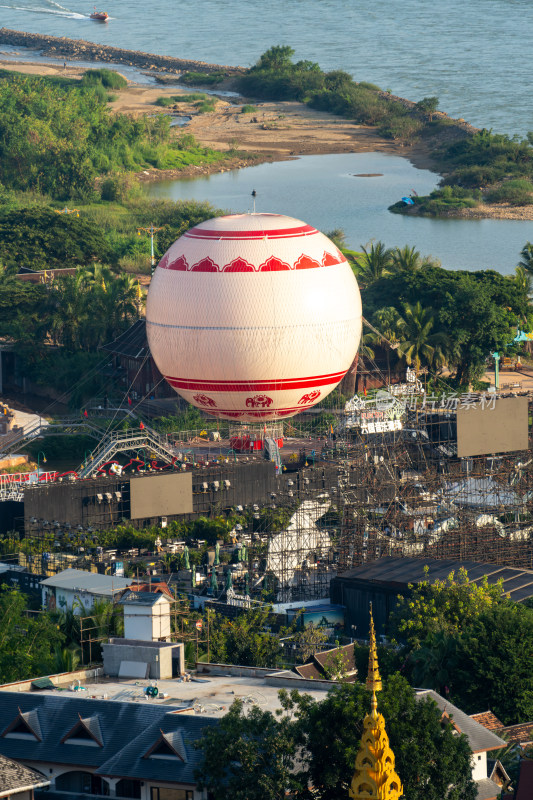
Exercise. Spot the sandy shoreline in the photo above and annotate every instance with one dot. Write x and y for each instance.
(272, 132)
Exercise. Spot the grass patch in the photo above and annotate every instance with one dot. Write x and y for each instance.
(515, 192)
(203, 78)
(106, 77)
(248, 109)
(441, 201)
(180, 98)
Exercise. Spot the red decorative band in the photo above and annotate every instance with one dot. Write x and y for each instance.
(256, 386)
(281, 233)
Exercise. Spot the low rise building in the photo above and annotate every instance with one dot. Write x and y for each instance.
(77, 589)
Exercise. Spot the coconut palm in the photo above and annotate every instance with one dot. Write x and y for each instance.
(408, 259)
(419, 343)
(526, 261)
(386, 322)
(524, 280)
(374, 263)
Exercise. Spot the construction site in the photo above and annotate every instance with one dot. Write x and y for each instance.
(395, 474)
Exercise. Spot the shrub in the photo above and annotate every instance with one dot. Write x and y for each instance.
(106, 77)
(248, 109)
(515, 192)
(203, 78)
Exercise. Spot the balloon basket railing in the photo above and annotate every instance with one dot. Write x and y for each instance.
(248, 437)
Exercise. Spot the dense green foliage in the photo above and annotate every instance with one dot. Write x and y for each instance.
(39, 238)
(438, 316)
(57, 136)
(277, 77)
(244, 640)
(470, 642)
(26, 642)
(257, 754)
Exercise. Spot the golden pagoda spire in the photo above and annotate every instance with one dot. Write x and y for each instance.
(375, 777)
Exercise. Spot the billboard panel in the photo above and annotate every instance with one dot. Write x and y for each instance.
(161, 495)
(501, 426)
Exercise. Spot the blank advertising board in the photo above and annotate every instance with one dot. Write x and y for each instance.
(498, 426)
(161, 495)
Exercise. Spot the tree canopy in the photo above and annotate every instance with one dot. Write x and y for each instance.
(314, 744)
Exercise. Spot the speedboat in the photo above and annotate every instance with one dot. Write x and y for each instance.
(101, 16)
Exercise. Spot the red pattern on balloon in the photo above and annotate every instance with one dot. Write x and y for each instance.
(179, 265)
(204, 400)
(329, 260)
(304, 262)
(238, 265)
(309, 397)
(259, 401)
(273, 264)
(205, 265)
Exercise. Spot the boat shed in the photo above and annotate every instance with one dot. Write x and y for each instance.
(380, 582)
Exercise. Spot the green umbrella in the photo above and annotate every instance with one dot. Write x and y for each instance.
(244, 554)
(186, 563)
(217, 554)
(214, 584)
(193, 577)
(247, 582)
(229, 580)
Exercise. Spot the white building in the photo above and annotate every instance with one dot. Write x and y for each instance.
(77, 589)
(146, 616)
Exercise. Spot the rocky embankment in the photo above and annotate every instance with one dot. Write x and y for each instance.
(79, 49)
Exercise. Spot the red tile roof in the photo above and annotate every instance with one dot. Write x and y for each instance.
(489, 720)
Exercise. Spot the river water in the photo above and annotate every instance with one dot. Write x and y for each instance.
(326, 192)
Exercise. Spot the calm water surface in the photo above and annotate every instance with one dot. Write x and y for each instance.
(323, 191)
(475, 55)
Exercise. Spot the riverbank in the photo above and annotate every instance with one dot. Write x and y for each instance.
(272, 131)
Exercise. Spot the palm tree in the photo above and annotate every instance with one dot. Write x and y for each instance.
(67, 659)
(407, 259)
(386, 321)
(419, 344)
(524, 279)
(526, 261)
(374, 263)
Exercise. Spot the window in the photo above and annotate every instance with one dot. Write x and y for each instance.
(82, 783)
(160, 793)
(128, 787)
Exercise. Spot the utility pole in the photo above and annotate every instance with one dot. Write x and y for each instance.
(150, 231)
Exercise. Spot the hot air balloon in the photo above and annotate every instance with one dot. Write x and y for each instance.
(253, 317)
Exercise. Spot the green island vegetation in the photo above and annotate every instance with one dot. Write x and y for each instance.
(59, 137)
(478, 166)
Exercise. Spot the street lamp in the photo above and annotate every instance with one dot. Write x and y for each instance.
(150, 231)
(39, 454)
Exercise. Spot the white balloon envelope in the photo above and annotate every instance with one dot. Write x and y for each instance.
(253, 316)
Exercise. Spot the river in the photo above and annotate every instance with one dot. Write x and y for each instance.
(326, 192)
(474, 56)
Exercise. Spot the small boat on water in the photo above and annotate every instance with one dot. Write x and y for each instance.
(100, 16)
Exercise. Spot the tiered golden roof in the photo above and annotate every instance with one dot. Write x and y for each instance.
(375, 776)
